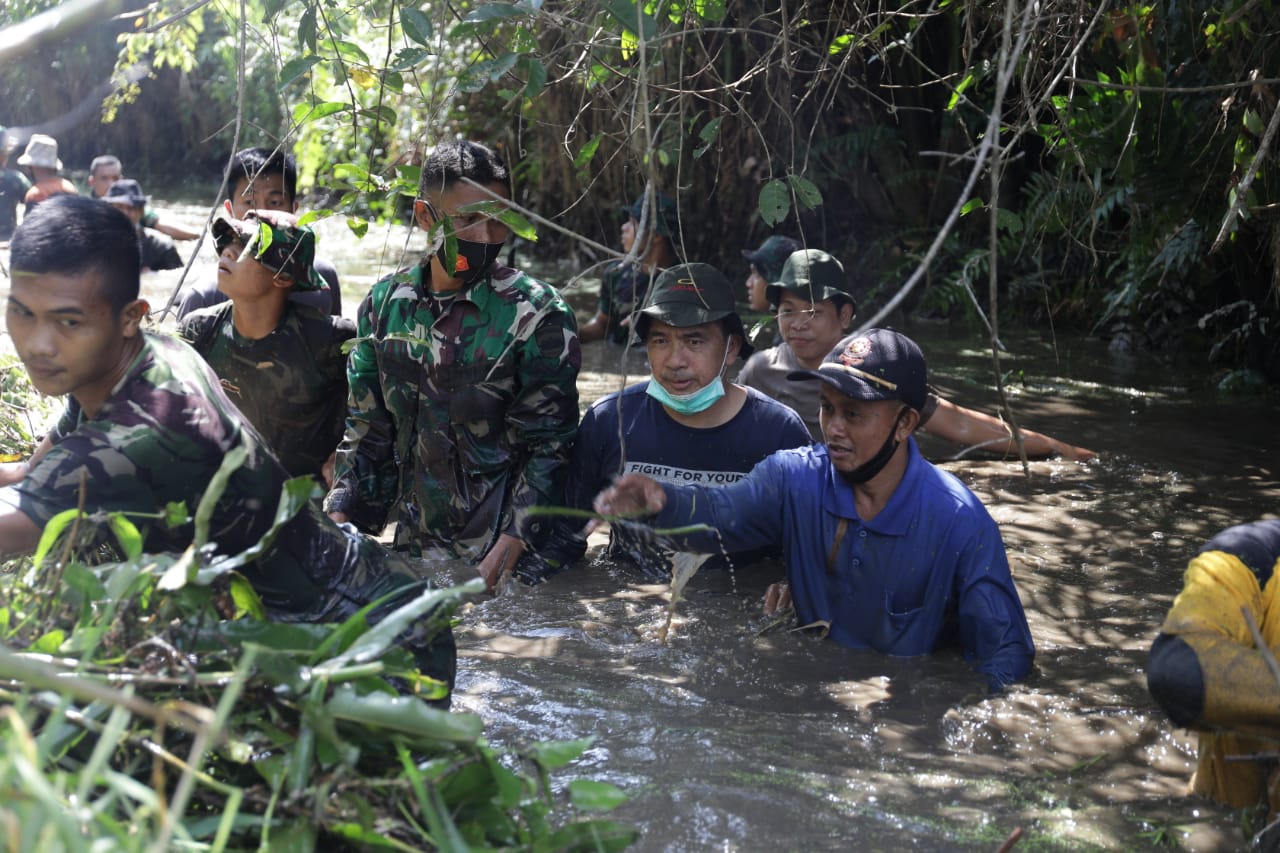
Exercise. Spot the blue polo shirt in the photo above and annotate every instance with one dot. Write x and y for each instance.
(930, 564)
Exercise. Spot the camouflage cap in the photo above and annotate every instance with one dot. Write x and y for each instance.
(276, 241)
(771, 255)
(878, 364)
(691, 295)
(813, 275)
(665, 220)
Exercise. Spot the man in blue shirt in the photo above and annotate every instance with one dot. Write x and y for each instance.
(684, 424)
(883, 550)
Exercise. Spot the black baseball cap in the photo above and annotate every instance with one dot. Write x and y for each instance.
(813, 275)
(878, 364)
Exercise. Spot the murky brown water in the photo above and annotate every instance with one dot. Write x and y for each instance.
(727, 738)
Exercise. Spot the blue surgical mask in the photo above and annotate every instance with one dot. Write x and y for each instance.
(695, 401)
(691, 403)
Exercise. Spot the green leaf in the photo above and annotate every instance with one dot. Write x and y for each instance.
(625, 13)
(775, 202)
(85, 582)
(175, 514)
(408, 57)
(296, 68)
(359, 225)
(416, 25)
(349, 172)
(246, 598)
(213, 492)
(303, 113)
(957, 94)
(307, 30)
(535, 76)
(50, 642)
(126, 534)
(1008, 221)
(807, 193)
(587, 152)
(518, 224)
(405, 714)
(972, 205)
(708, 135)
(593, 796)
(52, 532)
(315, 214)
(840, 44)
(293, 497)
(554, 755)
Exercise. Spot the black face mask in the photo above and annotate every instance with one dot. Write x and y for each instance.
(474, 259)
(875, 464)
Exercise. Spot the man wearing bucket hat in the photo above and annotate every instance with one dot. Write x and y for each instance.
(685, 424)
(280, 361)
(13, 189)
(157, 251)
(814, 310)
(41, 157)
(883, 550)
(624, 283)
(767, 261)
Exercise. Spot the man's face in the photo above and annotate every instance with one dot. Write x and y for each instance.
(467, 225)
(102, 179)
(811, 330)
(855, 430)
(683, 360)
(66, 333)
(756, 296)
(628, 234)
(133, 212)
(265, 192)
(244, 278)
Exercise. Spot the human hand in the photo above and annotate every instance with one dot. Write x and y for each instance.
(1075, 454)
(500, 561)
(631, 494)
(339, 517)
(777, 598)
(326, 470)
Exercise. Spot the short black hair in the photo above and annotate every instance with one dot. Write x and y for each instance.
(104, 160)
(451, 162)
(74, 235)
(251, 162)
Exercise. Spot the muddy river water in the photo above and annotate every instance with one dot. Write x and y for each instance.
(736, 735)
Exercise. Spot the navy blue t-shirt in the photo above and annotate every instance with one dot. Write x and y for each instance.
(655, 444)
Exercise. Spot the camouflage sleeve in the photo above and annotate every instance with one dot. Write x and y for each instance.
(544, 416)
(365, 481)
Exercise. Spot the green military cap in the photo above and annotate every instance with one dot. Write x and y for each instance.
(665, 220)
(813, 275)
(276, 241)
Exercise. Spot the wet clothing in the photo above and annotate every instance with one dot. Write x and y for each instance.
(1206, 672)
(461, 412)
(655, 444)
(291, 385)
(622, 290)
(766, 371)
(13, 189)
(158, 251)
(930, 565)
(159, 438)
(206, 294)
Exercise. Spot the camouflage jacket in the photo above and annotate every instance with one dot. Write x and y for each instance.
(462, 410)
(159, 438)
(622, 290)
(291, 385)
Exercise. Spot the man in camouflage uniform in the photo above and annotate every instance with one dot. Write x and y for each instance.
(463, 384)
(280, 361)
(625, 283)
(146, 425)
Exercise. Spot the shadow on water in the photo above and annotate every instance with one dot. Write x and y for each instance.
(730, 739)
